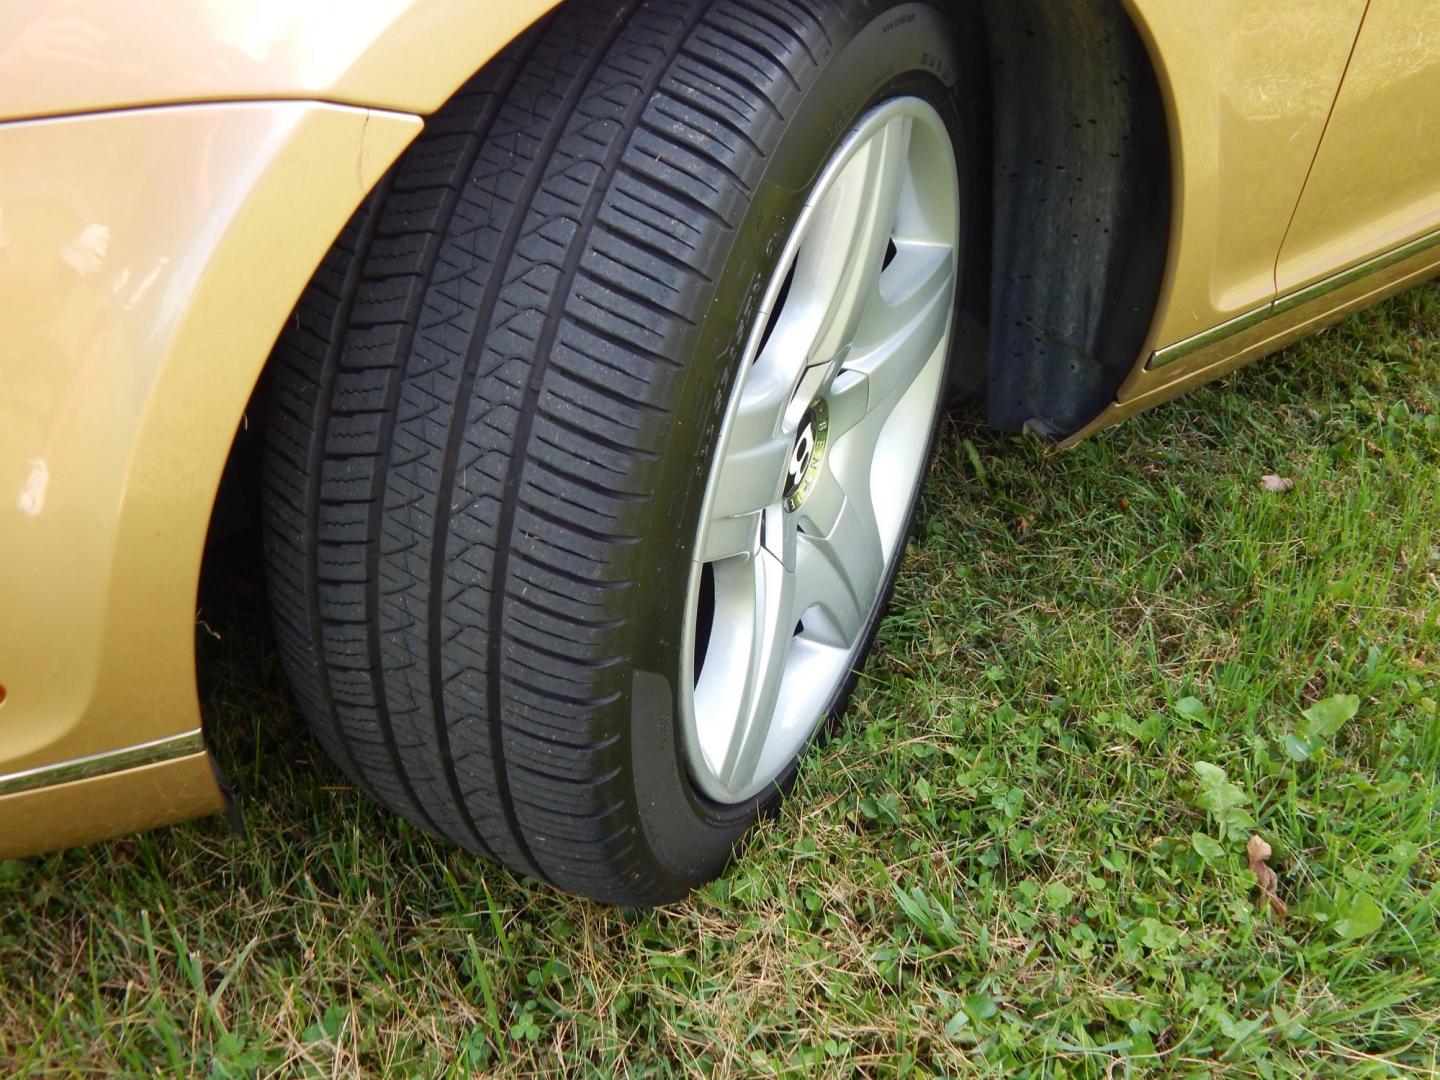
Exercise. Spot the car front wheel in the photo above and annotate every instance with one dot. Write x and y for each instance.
(595, 443)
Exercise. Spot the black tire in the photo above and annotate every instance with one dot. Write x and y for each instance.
(494, 410)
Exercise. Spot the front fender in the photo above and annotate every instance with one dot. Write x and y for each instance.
(147, 262)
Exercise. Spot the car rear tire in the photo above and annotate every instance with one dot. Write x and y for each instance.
(515, 435)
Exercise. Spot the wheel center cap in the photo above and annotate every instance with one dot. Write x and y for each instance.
(803, 468)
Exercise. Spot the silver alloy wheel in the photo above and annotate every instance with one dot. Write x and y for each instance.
(821, 451)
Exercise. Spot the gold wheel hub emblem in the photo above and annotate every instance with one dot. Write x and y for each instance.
(803, 468)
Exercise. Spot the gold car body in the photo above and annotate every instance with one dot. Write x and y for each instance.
(172, 172)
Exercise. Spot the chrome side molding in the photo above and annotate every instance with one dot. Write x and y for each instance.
(1289, 302)
(85, 768)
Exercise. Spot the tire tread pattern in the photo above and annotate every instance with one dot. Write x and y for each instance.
(470, 407)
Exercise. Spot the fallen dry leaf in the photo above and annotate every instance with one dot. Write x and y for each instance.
(1278, 484)
(1258, 851)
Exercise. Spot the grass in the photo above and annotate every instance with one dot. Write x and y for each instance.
(1023, 850)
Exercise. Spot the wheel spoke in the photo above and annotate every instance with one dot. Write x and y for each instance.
(848, 400)
(903, 329)
(839, 264)
(729, 537)
(838, 576)
(772, 636)
(751, 468)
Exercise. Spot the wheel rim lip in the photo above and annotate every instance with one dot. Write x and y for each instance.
(841, 664)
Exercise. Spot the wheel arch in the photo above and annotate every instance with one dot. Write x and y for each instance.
(1036, 67)
(1082, 207)
(1069, 106)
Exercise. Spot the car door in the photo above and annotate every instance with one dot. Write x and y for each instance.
(1375, 184)
(1250, 87)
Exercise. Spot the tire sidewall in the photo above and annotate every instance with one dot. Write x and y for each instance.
(888, 51)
